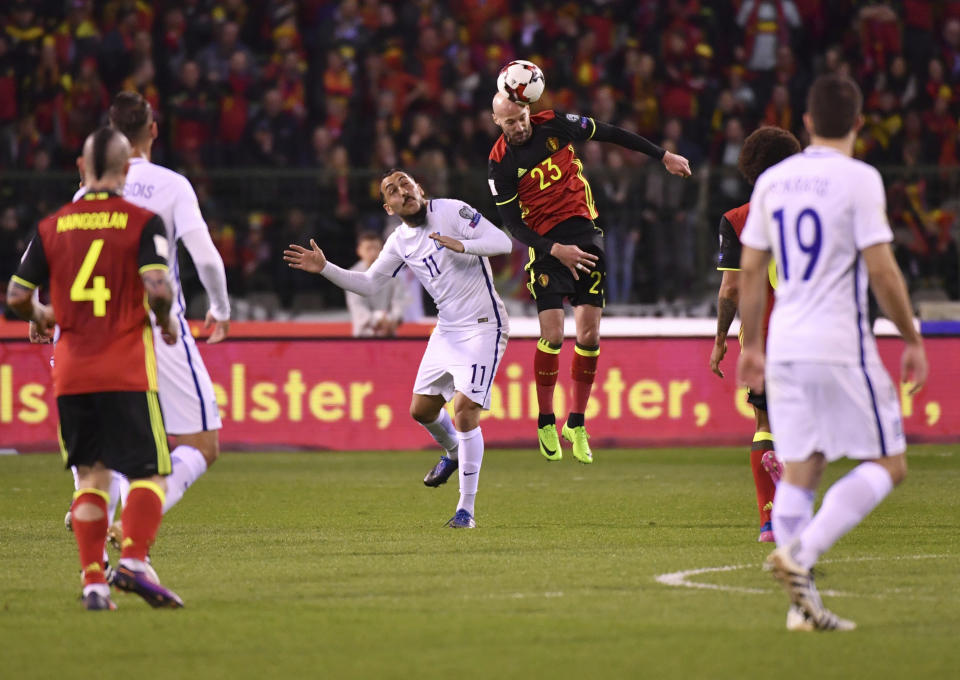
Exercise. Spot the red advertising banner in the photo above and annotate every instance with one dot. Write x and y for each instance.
(345, 394)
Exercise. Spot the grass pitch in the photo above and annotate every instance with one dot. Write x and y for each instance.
(337, 566)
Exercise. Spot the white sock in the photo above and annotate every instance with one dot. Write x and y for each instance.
(442, 431)
(188, 464)
(102, 588)
(846, 503)
(792, 511)
(471, 457)
(76, 477)
(136, 565)
(117, 481)
(124, 485)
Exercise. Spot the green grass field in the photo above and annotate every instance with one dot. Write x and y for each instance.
(336, 566)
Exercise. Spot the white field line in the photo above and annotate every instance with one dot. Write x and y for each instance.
(682, 578)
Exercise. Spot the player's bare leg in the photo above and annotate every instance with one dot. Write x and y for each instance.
(766, 470)
(546, 365)
(583, 371)
(429, 411)
(467, 420)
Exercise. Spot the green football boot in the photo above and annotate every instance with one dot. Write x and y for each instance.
(578, 437)
(549, 442)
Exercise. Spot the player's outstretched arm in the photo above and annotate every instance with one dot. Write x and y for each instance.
(309, 260)
(363, 283)
(160, 300)
(891, 293)
(753, 300)
(482, 239)
(727, 300)
(674, 163)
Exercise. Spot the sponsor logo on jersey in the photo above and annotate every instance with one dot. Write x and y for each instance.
(573, 117)
(475, 220)
(583, 122)
(552, 144)
(543, 280)
(493, 186)
(92, 220)
(521, 172)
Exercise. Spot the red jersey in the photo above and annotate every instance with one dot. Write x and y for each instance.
(731, 226)
(544, 174)
(93, 252)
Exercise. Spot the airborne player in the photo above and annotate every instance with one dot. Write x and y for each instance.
(545, 202)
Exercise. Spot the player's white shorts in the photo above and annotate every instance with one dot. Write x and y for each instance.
(187, 400)
(461, 361)
(839, 410)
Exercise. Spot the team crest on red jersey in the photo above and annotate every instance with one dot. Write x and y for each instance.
(543, 280)
(553, 144)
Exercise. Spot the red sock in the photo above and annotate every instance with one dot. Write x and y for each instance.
(546, 365)
(90, 534)
(141, 519)
(583, 370)
(761, 478)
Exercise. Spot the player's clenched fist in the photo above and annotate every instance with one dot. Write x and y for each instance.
(298, 257)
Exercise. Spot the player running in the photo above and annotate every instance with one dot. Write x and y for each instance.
(545, 202)
(446, 244)
(823, 216)
(762, 149)
(102, 256)
(189, 406)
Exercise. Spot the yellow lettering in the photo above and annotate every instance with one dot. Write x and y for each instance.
(676, 390)
(266, 407)
(906, 400)
(358, 391)
(6, 394)
(496, 405)
(613, 386)
(92, 220)
(933, 413)
(294, 389)
(701, 413)
(740, 401)
(326, 401)
(31, 396)
(644, 399)
(238, 392)
(384, 416)
(514, 392)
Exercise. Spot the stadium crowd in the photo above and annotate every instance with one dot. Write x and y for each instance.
(343, 89)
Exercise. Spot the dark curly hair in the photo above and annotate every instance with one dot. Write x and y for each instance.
(764, 148)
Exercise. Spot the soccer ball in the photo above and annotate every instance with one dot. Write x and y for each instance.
(522, 81)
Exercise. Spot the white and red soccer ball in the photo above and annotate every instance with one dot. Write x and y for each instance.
(522, 81)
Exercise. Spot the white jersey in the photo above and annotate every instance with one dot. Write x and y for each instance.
(461, 284)
(171, 196)
(816, 211)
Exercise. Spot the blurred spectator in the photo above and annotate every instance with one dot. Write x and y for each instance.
(380, 314)
(192, 112)
(620, 227)
(274, 132)
(13, 242)
(766, 25)
(80, 107)
(214, 60)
